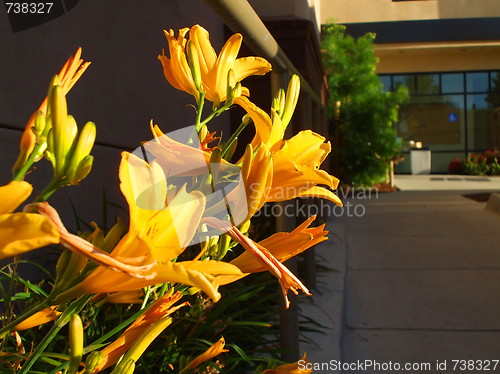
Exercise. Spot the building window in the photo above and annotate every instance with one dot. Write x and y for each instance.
(451, 113)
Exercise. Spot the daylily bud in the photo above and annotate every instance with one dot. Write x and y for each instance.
(292, 96)
(85, 143)
(74, 266)
(279, 101)
(141, 344)
(39, 125)
(244, 228)
(203, 133)
(215, 163)
(246, 119)
(231, 82)
(113, 236)
(83, 169)
(230, 151)
(62, 263)
(234, 88)
(206, 186)
(93, 359)
(224, 242)
(75, 343)
(59, 116)
(126, 368)
(194, 64)
(237, 90)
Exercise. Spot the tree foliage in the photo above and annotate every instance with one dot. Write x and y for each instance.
(363, 112)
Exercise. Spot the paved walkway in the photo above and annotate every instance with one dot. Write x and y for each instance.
(416, 280)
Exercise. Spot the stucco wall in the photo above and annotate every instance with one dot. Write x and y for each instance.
(348, 11)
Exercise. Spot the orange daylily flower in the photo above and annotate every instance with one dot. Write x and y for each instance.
(296, 161)
(276, 249)
(287, 280)
(71, 71)
(284, 245)
(214, 69)
(37, 319)
(296, 170)
(215, 349)
(22, 232)
(298, 367)
(154, 238)
(141, 331)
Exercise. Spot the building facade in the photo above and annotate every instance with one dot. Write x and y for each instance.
(447, 52)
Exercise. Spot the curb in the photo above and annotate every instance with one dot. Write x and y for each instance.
(325, 306)
(493, 204)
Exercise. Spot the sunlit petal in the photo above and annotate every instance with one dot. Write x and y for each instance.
(23, 232)
(13, 195)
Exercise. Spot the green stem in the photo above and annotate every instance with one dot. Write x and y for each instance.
(7, 328)
(63, 319)
(163, 289)
(233, 137)
(19, 175)
(118, 328)
(199, 112)
(52, 187)
(146, 298)
(215, 113)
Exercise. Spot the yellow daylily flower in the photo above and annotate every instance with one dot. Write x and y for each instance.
(139, 333)
(39, 318)
(21, 232)
(215, 69)
(296, 170)
(154, 239)
(296, 161)
(69, 74)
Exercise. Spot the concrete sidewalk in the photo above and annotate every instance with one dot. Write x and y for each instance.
(418, 279)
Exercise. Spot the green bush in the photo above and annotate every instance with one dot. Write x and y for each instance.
(363, 112)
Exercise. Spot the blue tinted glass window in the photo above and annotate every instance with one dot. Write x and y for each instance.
(476, 82)
(452, 83)
(386, 81)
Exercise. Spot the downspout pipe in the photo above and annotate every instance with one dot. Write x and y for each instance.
(240, 17)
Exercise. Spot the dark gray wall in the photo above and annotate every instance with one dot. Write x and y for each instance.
(121, 91)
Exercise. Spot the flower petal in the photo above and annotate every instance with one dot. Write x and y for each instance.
(37, 319)
(13, 195)
(322, 193)
(214, 350)
(23, 232)
(261, 120)
(217, 78)
(247, 66)
(200, 37)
